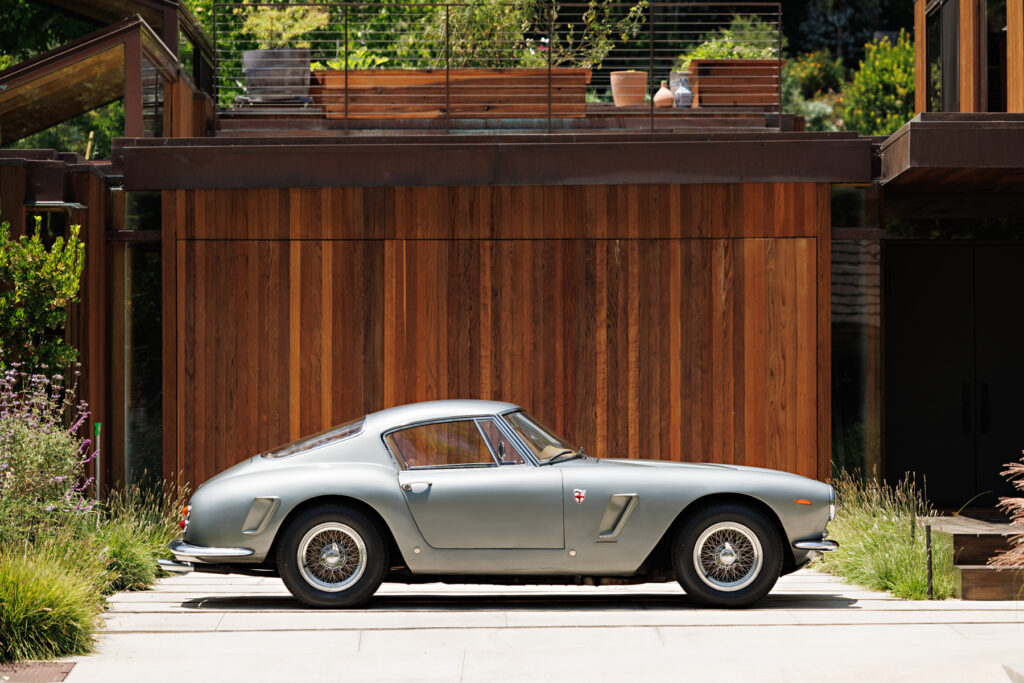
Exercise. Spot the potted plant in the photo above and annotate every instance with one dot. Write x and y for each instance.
(279, 69)
(628, 87)
(737, 65)
(497, 55)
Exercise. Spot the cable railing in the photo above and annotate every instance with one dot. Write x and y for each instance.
(528, 65)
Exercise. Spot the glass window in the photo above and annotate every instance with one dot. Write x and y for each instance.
(501, 445)
(441, 444)
(544, 443)
(316, 440)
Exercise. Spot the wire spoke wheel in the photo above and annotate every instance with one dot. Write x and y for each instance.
(727, 556)
(331, 556)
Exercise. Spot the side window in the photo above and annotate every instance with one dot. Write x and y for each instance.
(505, 450)
(442, 444)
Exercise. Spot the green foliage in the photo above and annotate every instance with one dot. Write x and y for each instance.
(816, 73)
(359, 58)
(880, 530)
(511, 33)
(844, 26)
(36, 286)
(280, 27)
(49, 599)
(105, 123)
(880, 98)
(746, 37)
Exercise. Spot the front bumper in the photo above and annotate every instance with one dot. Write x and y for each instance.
(821, 546)
(198, 553)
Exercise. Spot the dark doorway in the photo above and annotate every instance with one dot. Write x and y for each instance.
(954, 367)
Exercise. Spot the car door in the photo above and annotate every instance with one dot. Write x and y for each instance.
(461, 497)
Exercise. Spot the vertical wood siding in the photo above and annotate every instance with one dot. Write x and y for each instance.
(673, 322)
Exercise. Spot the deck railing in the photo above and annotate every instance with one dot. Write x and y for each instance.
(529, 65)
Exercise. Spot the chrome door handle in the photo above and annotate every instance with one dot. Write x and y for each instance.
(416, 486)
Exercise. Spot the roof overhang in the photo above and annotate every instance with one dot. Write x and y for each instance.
(200, 163)
(75, 78)
(955, 166)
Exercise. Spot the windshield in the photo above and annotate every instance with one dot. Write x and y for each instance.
(316, 440)
(544, 443)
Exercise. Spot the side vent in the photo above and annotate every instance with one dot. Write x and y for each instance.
(260, 512)
(620, 507)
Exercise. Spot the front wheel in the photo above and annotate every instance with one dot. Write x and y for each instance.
(727, 555)
(332, 556)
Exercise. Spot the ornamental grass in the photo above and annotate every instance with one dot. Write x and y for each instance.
(880, 530)
(1014, 507)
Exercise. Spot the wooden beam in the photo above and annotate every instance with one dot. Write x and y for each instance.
(1015, 55)
(971, 62)
(920, 57)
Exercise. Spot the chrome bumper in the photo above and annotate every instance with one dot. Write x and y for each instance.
(822, 546)
(189, 552)
(175, 567)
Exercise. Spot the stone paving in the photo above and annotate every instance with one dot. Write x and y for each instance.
(206, 627)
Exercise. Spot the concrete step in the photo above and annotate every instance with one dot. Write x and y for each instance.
(982, 582)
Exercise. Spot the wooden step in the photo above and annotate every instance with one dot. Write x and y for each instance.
(981, 582)
(975, 549)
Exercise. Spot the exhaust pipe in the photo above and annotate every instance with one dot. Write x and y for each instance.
(176, 567)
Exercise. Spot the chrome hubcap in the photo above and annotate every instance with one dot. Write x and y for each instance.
(331, 556)
(727, 556)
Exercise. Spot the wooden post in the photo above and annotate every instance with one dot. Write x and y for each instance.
(971, 62)
(1015, 56)
(920, 57)
(132, 86)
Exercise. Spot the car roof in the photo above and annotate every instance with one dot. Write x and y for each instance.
(436, 410)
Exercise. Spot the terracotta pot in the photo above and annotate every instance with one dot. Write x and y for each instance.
(663, 98)
(628, 87)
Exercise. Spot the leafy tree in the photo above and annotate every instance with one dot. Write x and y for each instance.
(880, 98)
(845, 26)
(816, 73)
(36, 286)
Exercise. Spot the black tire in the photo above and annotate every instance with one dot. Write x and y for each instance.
(352, 557)
(745, 569)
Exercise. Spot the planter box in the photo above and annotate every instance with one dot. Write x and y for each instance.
(735, 82)
(474, 93)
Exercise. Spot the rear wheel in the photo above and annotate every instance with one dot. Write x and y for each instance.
(727, 555)
(332, 556)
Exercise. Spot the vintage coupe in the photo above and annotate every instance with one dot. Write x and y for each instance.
(481, 492)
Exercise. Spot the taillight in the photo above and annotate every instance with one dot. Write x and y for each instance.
(183, 524)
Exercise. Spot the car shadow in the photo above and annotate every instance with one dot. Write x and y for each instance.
(610, 602)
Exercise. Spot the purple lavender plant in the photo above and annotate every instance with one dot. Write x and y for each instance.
(43, 456)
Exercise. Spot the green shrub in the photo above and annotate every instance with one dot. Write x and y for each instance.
(49, 599)
(747, 37)
(880, 530)
(36, 286)
(816, 73)
(281, 27)
(880, 98)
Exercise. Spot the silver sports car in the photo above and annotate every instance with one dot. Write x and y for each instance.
(482, 492)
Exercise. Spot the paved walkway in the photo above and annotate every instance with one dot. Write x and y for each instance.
(205, 627)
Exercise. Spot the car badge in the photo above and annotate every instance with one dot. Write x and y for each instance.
(579, 494)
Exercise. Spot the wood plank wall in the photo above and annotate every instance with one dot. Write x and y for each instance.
(920, 56)
(676, 322)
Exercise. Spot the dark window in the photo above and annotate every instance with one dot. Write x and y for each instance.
(942, 44)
